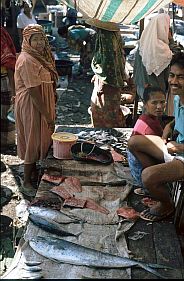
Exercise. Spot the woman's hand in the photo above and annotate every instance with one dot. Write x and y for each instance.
(93, 79)
(13, 100)
(51, 125)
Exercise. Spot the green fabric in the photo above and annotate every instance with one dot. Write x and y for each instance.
(144, 10)
(111, 10)
(107, 61)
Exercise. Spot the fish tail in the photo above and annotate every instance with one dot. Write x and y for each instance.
(155, 265)
(151, 270)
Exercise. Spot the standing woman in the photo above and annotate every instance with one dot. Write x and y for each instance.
(35, 84)
(108, 65)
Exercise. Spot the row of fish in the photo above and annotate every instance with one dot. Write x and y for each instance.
(68, 252)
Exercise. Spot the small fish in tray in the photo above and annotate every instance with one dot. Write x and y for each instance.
(115, 139)
(85, 151)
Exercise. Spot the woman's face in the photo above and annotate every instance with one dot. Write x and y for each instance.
(27, 8)
(156, 104)
(37, 42)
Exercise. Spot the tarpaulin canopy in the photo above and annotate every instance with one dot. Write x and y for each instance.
(126, 11)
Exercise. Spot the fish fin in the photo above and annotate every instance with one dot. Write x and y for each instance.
(78, 234)
(57, 261)
(151, 270)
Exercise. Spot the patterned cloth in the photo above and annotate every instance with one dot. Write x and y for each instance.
(8, 52)
(108, 61)
(105, 106)
(8, 59)
(108, 66)
(7, 127)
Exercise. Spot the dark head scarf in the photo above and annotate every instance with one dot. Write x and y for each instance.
(8, 52)
(108, 59)
(46, 58)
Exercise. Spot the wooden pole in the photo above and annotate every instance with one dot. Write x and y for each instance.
(173, 16)
(134, 117)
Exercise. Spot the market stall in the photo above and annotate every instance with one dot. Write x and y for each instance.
(90, 204)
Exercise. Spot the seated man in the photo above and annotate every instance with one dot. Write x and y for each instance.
(163, 160)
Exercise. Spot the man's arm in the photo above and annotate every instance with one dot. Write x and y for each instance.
(174, 147)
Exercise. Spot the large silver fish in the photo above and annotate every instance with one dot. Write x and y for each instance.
(54, 215)
(64, 251)
(50, 226)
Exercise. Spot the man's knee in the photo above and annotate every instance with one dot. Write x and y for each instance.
(149, 176)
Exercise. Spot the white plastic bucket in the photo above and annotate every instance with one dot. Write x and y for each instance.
(62, 143)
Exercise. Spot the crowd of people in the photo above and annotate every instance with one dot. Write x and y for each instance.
(31, 78)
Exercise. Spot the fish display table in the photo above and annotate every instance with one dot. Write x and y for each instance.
(97, 235)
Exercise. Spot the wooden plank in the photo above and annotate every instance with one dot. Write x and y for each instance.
(142, 249)
(168, 249)
(160, 246)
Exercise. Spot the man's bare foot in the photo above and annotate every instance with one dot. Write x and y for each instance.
(158, 212)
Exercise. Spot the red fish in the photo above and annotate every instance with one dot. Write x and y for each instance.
(74, 202)
(91, 204)
(73, 183)
(61, 191)
(128, 213)
(53, 179)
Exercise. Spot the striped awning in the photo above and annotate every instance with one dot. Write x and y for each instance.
(119, 11)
